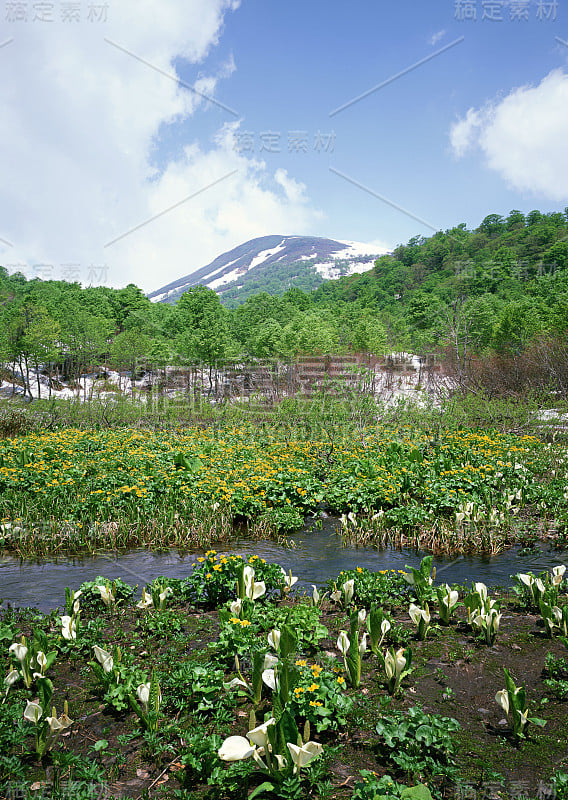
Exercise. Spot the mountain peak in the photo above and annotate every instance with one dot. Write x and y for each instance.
(281, 261)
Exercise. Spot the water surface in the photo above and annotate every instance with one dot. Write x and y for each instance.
(312, 555)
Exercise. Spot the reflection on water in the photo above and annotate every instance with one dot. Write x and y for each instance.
(314, 556)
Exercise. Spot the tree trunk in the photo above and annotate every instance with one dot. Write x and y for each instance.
(38, 381)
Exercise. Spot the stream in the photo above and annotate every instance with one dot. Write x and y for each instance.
(313, 555)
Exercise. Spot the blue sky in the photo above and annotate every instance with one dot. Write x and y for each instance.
(112, 166)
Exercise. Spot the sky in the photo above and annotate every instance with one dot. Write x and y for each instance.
(139, 140)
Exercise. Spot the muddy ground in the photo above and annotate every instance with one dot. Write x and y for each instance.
(456, 675)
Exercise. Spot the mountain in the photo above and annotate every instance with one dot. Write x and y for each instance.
(274, 264)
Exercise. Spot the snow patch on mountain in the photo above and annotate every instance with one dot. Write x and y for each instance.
(330, 258)
(262, 257)
(229, 277)
(329, 270)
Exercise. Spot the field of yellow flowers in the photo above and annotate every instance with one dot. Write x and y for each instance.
(399, 477)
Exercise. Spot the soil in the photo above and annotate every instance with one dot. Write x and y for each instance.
(456, 675)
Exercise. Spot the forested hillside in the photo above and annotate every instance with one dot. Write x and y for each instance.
(498, 289)
(508, 278)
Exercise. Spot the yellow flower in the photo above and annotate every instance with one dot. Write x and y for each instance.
(301, 662)
(359, 569)
(315, 703)
(341, 680)
(313, 687)
(208, 575)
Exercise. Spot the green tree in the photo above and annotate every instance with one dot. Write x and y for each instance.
(266, 339)
(204, 334)
(519, 323)
(42, 343)
(556, 257)
(310, 333)
(128, 350)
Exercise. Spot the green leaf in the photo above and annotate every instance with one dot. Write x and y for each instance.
(191, 464)
(154, 698)
(288, 641)
(100, 744)
(424, 734)
(135, 707)
(426, 566)
(257, 670)
(44, 693)
(418, 792)
(264, 787)
(289, 729)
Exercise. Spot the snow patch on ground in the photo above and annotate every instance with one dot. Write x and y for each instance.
(89, 385)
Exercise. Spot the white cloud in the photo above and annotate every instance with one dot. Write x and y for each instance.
(464, 132)
(79, 123)
(294, 190)
(523, 136)
(245, 204)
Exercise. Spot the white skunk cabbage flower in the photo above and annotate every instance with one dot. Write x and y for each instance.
(289, 579)
(143, 693)
(11, 678)
(33, 712)
(301, 756)
(270, 661)
(558, 574)
(259, 735)
(502, 698)
(348, 590)
(19, 650)
(106, 595)
(68, 627)
(236, 748)
(269, 678)
(343, 642)
(104, 658)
